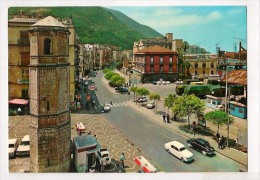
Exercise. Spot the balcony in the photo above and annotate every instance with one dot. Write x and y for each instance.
(23, 41)
(22, 81)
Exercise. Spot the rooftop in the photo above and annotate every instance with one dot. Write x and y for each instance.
(237, 77)
(155, 49)
(49, 21)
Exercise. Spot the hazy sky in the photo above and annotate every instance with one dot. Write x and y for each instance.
(202, 25)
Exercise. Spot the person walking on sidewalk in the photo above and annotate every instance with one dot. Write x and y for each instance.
(164, 116)
(122, 159)
(168, 118)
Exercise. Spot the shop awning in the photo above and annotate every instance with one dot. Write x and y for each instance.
(19, 101)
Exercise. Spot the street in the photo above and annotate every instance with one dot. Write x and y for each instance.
(124, 129)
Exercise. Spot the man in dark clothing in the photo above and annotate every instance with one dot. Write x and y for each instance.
(164, 116)
(168, 118)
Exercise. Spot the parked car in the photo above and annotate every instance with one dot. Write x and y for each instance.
(164, 82)
(154, 82)
(104, 155)
(107, 107)
(158, 82)
(13, 144)
(150, 105)
(201, 145)
(168, 82)
(123, 90)
(177, 149)
(118, 87)
(178, 82)
(24, 147)
(142, 99)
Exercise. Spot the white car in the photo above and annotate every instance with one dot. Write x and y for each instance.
(142, 99)
(150, 105)
(24, 147)
(13, 144)
(177, 149)
(107, 108)
(178, 82)
(104, 156)
(168, 82)
(164, 82)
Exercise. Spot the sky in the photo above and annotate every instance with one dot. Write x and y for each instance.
(204, 26)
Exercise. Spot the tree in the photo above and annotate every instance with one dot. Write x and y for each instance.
(219, 118)
(186, 105)
(142, 92)
(117, 80)
(169, 101)
(110, 74)
(155, 96)
(185, 46)
(134, 90)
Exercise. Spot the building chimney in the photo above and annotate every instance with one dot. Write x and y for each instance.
(169, 36)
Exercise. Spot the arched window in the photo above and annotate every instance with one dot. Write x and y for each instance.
(212, 65)
(204, 65)
(47, 46)
(196, 65)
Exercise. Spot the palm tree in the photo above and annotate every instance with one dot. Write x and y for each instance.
(155, 96)
(169, 101)
(134, 90)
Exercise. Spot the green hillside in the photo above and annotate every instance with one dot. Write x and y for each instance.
(96, 24)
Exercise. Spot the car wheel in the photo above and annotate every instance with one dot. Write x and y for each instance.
(204, 153)
(182, 159)
(167, 150)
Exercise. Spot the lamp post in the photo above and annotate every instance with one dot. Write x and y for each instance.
(228, 111)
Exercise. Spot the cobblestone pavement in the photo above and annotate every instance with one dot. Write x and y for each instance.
(107, 136)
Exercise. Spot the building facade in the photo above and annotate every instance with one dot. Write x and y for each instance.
(154, 63)
(19, 55)
(50, 127)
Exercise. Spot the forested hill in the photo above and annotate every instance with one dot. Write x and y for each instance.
(96, 24)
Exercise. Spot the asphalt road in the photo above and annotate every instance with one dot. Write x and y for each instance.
(150, 137)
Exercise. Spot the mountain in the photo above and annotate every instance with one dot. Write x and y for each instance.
(96, 24)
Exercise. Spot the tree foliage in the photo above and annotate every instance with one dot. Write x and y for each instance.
(219, 118)
(143, 91)
(109, 75)
(186, 105)
(155, 96)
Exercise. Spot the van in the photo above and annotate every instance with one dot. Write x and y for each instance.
(12, 147)
(24, 147)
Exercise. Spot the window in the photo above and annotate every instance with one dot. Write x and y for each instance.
(241, 111)
(211, 72)
(25, 74)
(161, 59)
(25, 93)
(170, 59)
(47, 46)
(204, 65)
(161, 68)
(196, 65)
(170, 68)
(196, 72)
(151, 68)
(203, 72)
(48, 105)
(212, 65)
(232, 108)
(151, 59)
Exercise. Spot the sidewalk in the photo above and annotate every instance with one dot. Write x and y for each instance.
(228, 152)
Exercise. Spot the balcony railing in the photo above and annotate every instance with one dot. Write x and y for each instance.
(22, 81)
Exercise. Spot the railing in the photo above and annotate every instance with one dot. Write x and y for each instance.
(22, 81)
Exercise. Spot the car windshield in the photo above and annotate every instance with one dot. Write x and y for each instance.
(11, 145)
(25, 143)
(182, 149)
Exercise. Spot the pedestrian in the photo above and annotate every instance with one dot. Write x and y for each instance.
(168, 118)
(164, 117)
(122, 159)
(19, 111)
(110, 101)
(102, 164)
(222, 142)
(218, 139)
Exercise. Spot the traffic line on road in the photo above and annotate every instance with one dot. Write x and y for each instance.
(166, 136)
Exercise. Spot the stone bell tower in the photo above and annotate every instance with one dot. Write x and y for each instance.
(50, 125)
